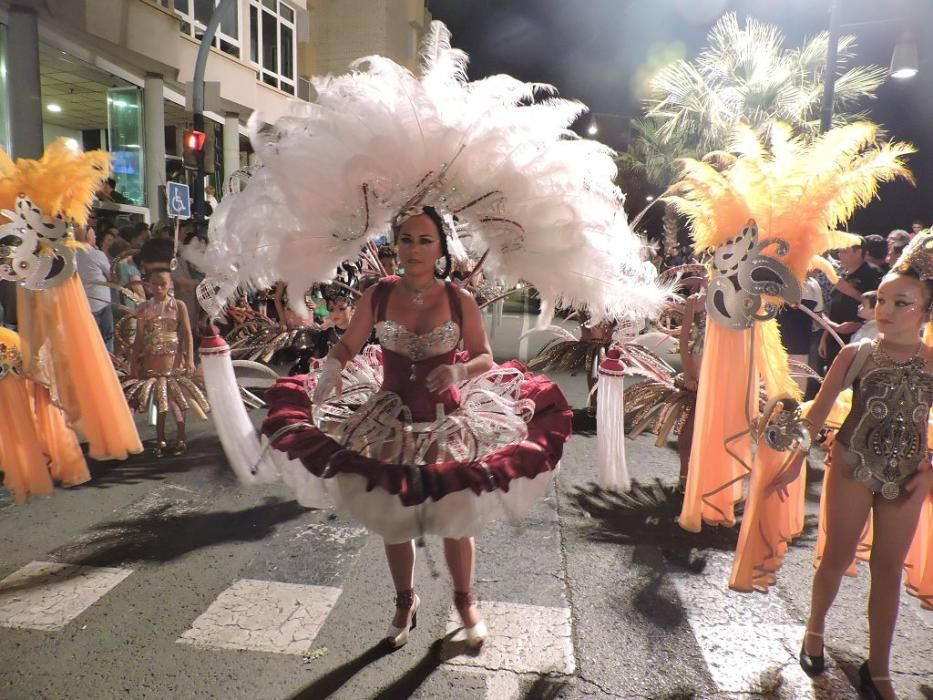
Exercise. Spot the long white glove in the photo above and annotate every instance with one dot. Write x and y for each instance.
(328, 381)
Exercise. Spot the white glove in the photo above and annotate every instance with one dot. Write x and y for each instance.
(328, 381)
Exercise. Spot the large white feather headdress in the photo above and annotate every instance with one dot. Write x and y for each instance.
(380, 142)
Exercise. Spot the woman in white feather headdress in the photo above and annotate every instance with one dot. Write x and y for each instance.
(417, 437)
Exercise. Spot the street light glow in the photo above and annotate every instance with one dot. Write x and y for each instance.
(649, 198)
(905, 61)
(592, 129)
(54, 107)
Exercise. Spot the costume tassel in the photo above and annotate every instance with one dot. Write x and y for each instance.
(610, 422)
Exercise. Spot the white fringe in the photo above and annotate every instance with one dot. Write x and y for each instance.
(610, 435)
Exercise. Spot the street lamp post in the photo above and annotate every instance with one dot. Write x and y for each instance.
(197, 105)
(829, 74)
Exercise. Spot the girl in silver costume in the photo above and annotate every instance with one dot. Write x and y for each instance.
(881, 459)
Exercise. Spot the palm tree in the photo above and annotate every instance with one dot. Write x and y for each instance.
(746, 75)
(649, 158)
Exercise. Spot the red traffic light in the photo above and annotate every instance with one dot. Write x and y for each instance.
(194, 140)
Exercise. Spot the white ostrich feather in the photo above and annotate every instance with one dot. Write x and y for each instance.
(379, 140)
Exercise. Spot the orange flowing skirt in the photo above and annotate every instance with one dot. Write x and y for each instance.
(77, 367)
(36, 447)
(721, 452)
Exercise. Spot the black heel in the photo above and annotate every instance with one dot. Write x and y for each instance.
(868, 683)
(414, 620)
(812, 665)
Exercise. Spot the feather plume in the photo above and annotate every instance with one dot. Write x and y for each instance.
(338, 171)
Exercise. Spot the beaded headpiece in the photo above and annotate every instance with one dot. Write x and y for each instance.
(917, 256)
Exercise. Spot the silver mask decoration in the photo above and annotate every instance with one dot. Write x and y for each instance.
(784, 428)
(742, 274)
(33, 250)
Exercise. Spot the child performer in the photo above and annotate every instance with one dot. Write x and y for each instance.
(880, 461)
(163, 362)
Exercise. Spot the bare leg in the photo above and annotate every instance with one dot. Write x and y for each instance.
(460, 555)
(401, 559)
(684, 443)
(848, 504)
(894, 525)
(159, 449)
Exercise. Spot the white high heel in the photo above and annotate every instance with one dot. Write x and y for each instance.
(397, 637)
(473, 636)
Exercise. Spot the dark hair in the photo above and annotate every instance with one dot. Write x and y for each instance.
(432, 214)
(910, 271)
(869, 299)
(157, 250)
(127, 233)
(875, 246)
(139, 227)
(387, 252)
(112, 182)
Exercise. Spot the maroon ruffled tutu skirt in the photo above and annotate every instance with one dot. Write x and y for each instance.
(492, 457)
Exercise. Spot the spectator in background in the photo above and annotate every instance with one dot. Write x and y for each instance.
(866, 312)
(210, 198)
(106, 239)
(136, 235)
(898, 237)
(843, 306)
(876, 252)
(94, 271)
(916, 227)
(108, 193)
(894, 252)
(389, 259)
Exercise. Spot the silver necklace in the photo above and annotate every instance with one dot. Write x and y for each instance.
(883, 354)
(417, 294)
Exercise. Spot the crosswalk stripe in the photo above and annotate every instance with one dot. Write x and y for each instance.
(748, 641)
(282, 618)
(47, 595)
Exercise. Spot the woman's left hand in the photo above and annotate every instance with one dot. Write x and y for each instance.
(445, 376)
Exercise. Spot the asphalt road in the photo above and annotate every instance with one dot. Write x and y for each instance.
(160, 579)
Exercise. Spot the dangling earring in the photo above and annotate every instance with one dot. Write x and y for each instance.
(439, 266)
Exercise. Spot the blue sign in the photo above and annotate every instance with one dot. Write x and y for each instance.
(179, 200)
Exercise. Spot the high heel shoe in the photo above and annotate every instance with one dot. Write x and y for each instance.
(181, 447)
(812, 665)
(475, 635)
(159, 449)
(397, 637)
(868, 682)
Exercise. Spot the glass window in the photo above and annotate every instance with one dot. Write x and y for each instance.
(254, 34)
(269, 44)
(125, 136)
(194, 21)
(4, 104)
(287, 69)
(203, 9)
(272, 43)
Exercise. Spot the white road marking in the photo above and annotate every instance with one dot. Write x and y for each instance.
(748, 640)
(282, 618)
(47, 596)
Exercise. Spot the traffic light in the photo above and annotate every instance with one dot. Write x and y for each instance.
(193, 147)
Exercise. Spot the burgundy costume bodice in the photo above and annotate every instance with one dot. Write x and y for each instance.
(408, 357)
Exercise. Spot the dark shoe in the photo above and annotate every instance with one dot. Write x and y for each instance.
(160, 449)
(812, 665)
(181, 447)
(868, 682)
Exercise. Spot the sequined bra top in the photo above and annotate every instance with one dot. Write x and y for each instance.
(885, 433)
(161, 334)
(418, 346)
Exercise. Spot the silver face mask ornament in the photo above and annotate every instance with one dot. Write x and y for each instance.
(34, 250)
(742, 274)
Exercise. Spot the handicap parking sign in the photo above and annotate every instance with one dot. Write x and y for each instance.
(179, 200)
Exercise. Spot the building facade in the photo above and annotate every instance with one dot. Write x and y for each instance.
(116, 74)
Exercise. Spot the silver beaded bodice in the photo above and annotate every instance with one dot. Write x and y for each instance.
(891, 407)
(418, 346)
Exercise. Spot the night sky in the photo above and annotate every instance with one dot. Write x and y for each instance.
(600, 52)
